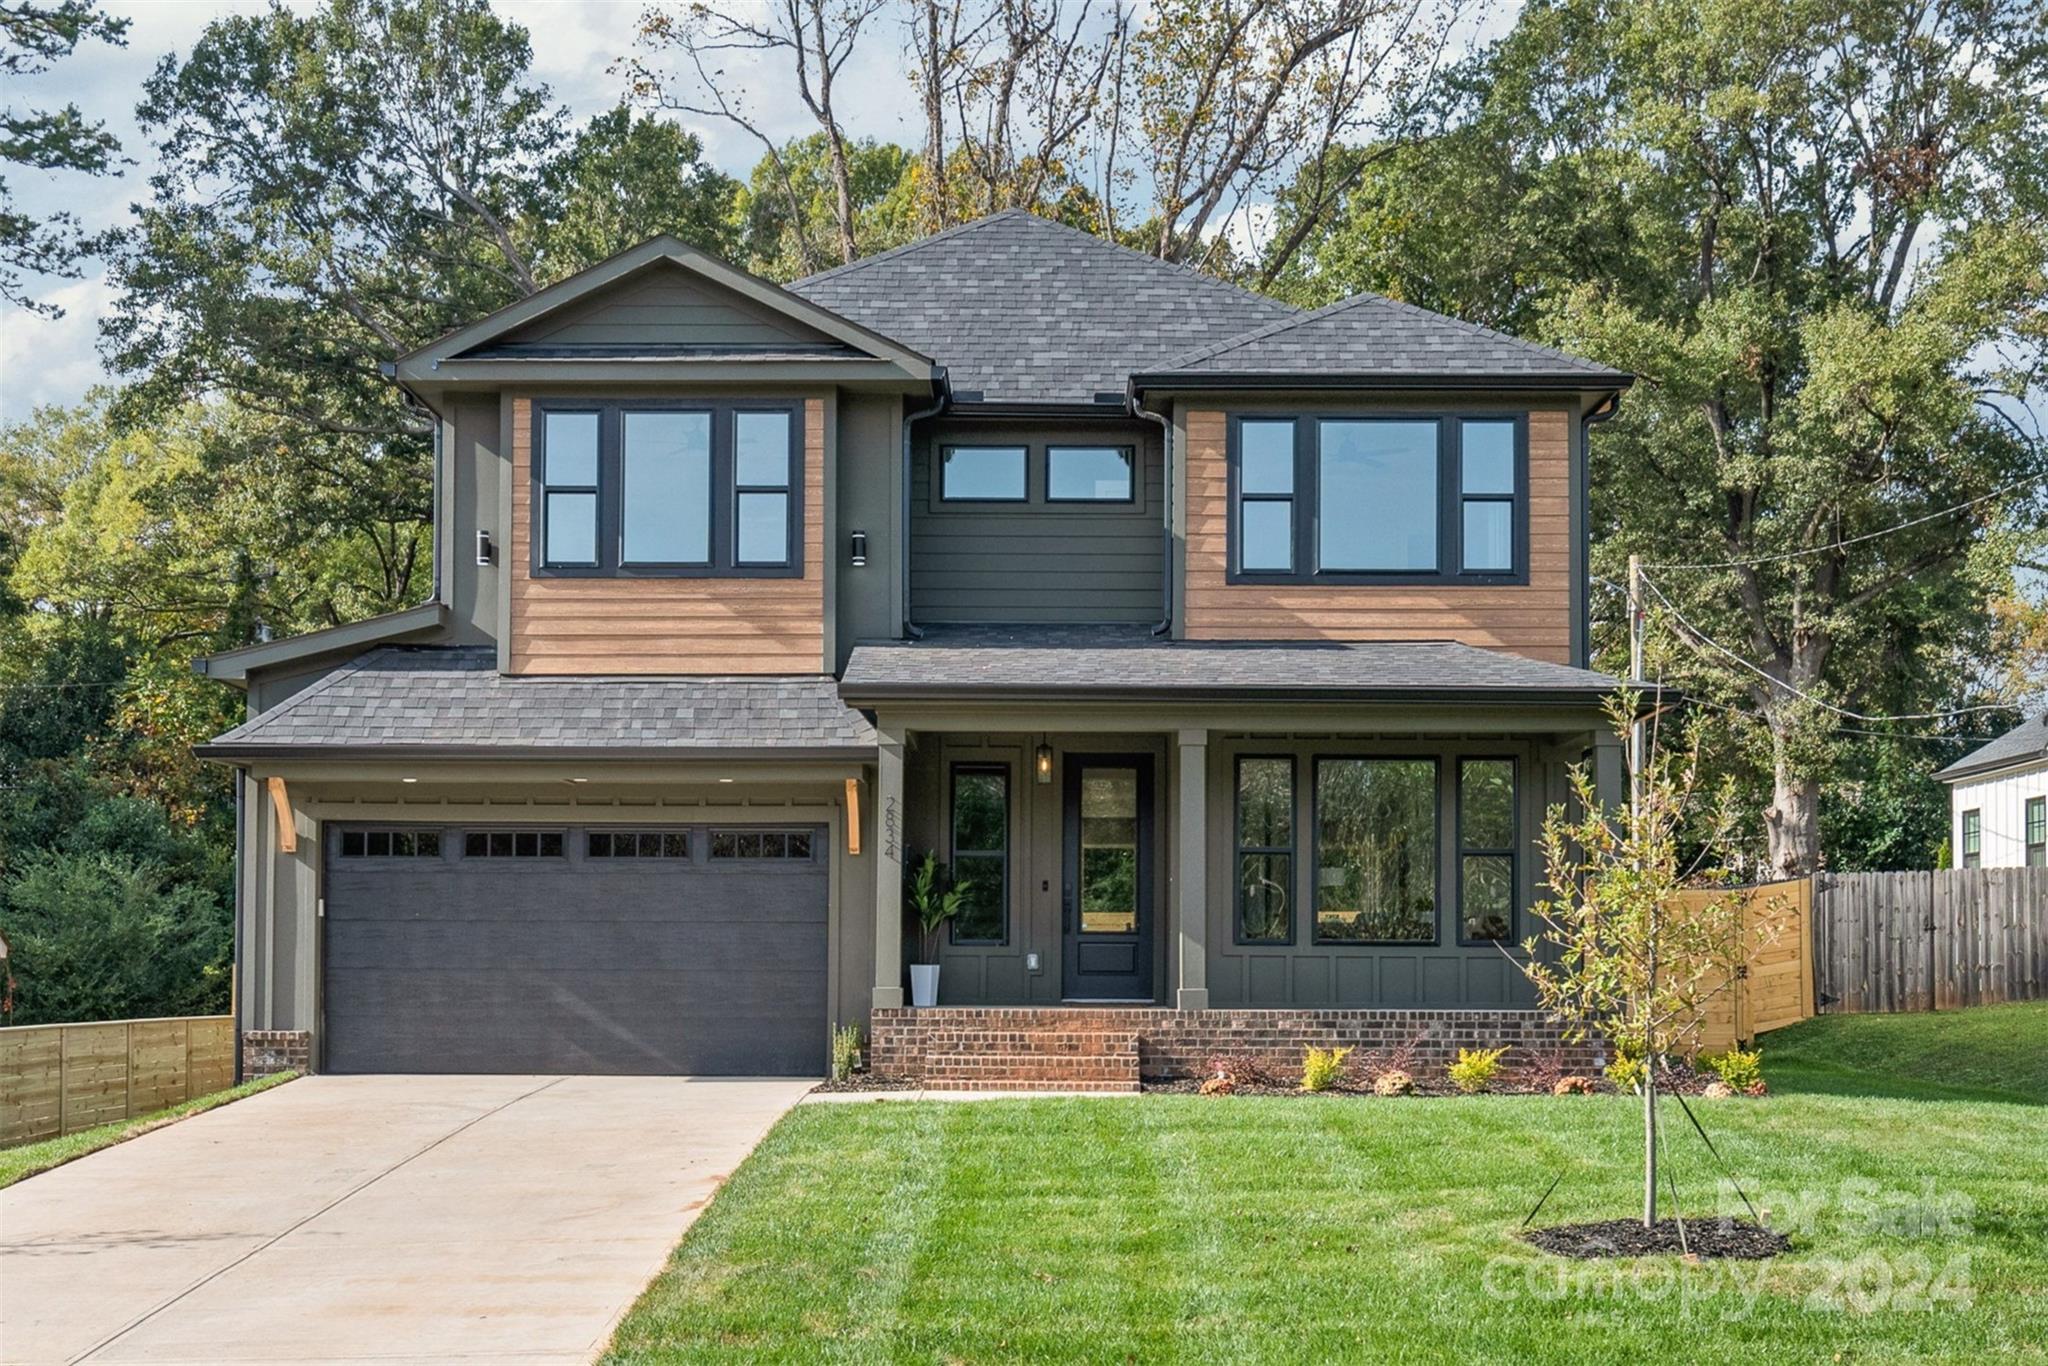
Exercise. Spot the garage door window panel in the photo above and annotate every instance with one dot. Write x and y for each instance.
(637, 844)
(520, 844)
(391, 844)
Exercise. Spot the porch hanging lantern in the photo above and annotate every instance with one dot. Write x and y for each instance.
(1045, 763)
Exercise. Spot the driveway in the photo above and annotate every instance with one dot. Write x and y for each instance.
(374, 1218)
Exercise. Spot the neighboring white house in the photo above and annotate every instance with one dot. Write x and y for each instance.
(1998, 800)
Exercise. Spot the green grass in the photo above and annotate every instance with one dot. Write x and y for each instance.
(1991, 1052)
(1178, 1228)
(17, 1164)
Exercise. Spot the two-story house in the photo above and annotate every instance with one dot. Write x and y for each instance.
(1227, 654)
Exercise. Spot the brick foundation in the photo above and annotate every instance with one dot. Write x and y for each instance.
(1006, 1047)
(266, 1051)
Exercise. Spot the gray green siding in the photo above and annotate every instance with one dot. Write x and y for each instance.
(1036, 561)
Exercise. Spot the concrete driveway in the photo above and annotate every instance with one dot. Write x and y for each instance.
(374, 1218)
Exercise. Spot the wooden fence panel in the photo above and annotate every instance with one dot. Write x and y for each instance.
(1930, 941)
(1778, 988)
(58, 1079)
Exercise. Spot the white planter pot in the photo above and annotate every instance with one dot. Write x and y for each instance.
(924, 985)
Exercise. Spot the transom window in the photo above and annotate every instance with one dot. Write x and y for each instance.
(1390, 499)
(1376, 851)
(981, 853)
(706, 488)
(1973, 839)
(391, 844)
(512, 844)
(1486, 849)
(2037, 832)
(668, 844)
(984, 474)
(1088, 474)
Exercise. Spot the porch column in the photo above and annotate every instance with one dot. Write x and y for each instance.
(1610, 772)
(889, 869)
(1191, 901)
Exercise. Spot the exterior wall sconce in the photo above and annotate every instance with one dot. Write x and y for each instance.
(859, 549)
(486, 553)
(1045, 763)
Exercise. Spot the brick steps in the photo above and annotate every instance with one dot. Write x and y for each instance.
(1011, 1059)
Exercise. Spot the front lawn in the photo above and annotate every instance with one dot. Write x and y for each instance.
(17, 1164)
(1273, 1229)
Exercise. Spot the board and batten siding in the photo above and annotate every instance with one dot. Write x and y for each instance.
(665, 306)
(1037, 561)
(667, 625)
(1533, 619)
(2002, 799)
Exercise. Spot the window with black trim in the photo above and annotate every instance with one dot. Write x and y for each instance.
(984, 474)
(1486, 850)
(1265, 850)
(760, 845)
(643, 488)
(1090, 474)
(2037, 832)
(1375, 851)
(1385, 498)
(1973, 839)
(391, 844)
(980, 848)
(512, 844)
(616, 844)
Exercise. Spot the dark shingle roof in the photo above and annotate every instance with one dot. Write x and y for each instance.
(2025, 743)
(1025, 310)
(1369, 335)
(397, 700)
(1067, 661)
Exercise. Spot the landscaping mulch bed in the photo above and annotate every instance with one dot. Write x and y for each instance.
(1737, 1239)
(863, 1081)
(1189, 1086)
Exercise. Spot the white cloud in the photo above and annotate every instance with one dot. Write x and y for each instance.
(52, 360)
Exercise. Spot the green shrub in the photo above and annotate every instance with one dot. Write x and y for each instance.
(1474, 1069)
(1320, 1068)
(1741, 1071)
(845, 1051)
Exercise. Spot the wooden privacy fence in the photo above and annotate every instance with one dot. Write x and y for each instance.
(58, 1079)
(1930, 941)
(1777, 989)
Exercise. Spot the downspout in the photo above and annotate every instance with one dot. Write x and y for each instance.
(1144, 414)
(235, 968)
(1603, 411)
(910, 629)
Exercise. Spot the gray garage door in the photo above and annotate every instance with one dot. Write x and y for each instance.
(576, 949)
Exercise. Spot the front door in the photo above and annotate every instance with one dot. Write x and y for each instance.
(1108, 912)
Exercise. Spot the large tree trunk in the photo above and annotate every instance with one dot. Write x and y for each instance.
(1793, 820)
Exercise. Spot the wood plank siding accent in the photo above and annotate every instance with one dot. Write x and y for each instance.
(667, 625)
(1533, 619)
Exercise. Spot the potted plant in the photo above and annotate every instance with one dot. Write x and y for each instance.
(933, 900)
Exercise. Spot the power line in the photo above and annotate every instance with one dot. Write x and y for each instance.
(1853, 540)
(1702, 638)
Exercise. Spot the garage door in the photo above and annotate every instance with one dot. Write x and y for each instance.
(694, 949)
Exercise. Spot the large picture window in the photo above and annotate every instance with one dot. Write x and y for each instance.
(981, 853)
(633, 489)
(1378, 499)
(1486, 850)
(1376, 851)
(1265, 850)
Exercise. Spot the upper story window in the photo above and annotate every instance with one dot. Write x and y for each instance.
(1089, 474)
(1973, 839)
(2037, 832)
(984, 474)
(684, 488)
(1354, 499)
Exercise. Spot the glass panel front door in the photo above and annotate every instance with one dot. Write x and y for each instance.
(1108, 878)
(1109, 851)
